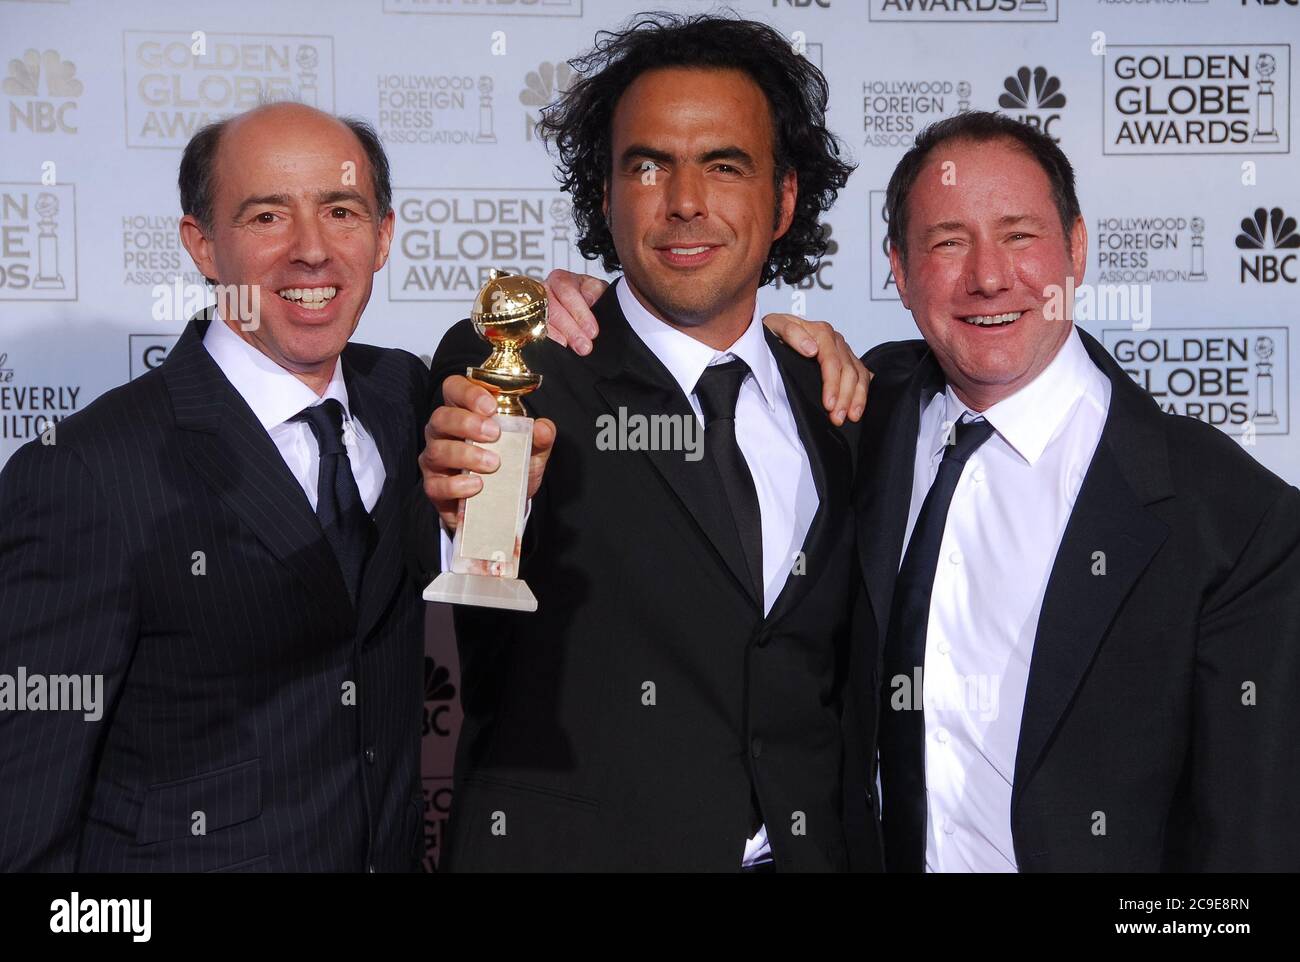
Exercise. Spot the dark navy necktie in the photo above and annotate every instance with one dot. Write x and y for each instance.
(718, 388)
(342, 513)
(902, 729)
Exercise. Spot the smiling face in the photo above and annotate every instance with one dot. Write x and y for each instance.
(984, 252)
(294, 212)
(691, 200)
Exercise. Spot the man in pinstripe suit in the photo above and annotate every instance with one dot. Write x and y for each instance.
(221, 542)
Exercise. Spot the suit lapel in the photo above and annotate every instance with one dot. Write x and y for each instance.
(884, 495)
(630, 377)
(228, 448)
(1111, 526)
(382, 574)
(694, 482)
(828, 459)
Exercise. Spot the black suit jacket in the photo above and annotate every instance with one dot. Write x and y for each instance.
(625, 723)
(1139, 716)
(163, 543)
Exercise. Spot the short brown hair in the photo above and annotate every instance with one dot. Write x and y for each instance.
(979, 126)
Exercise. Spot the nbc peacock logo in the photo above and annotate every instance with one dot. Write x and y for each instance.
(541, 87)
(1033, 96)
(1264, 233)
(820, 278)
(44, 89)
(439, 691)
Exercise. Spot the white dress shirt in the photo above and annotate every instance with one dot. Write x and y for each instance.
(276, 395)
(768, 437)
(1004, 527)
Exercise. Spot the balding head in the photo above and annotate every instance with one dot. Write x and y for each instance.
(202, 160)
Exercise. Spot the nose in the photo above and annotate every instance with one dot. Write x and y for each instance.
(988, 269)
(686, 195)
(308, 245)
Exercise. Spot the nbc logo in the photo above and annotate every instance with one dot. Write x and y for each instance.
(819, 278)
(541, 86)
(440, 690)
(1033, 95)
(1268, 230)
(23, 82)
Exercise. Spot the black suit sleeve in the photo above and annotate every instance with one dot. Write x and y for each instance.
(68, 607)
(423, 551)
(1245, 763)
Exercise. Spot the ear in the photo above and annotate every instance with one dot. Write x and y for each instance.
(789, 197)
(1078, 249)
(900, 276)
(385, 240)
(199, 245)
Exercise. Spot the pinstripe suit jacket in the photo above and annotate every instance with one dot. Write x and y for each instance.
(252, 719)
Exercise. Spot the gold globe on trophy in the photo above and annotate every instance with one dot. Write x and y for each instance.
(509, 312)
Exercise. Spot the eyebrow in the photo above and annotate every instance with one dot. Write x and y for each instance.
(284, 200)
(730, 152)
(337, 195)
(1007, 220)
(262, 200)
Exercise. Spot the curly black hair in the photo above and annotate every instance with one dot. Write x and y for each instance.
(578, 124)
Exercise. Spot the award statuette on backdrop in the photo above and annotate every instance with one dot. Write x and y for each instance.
(509, 312)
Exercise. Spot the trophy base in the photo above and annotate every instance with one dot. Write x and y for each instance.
(483, 591)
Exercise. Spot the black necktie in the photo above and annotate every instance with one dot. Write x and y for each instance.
(718, 389)
(902, 729)
(343, 516)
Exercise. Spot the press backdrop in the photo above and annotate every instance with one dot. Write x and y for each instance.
(1176, 113)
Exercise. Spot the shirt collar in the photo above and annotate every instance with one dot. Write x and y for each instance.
(686, 358)
(1030, 418)
(274, 393)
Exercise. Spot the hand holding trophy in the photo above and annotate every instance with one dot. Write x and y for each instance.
(509, 312)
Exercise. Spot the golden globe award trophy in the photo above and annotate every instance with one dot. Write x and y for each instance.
(509, 312)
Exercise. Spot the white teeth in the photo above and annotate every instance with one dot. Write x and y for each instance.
(992, 320)
(688, 250)
(313, 298)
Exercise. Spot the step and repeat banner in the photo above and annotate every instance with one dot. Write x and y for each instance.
(1177, 114)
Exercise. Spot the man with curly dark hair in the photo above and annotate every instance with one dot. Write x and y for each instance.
(805, 153)
(675, 701)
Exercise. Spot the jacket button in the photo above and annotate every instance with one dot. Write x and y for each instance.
(756, 747)
(762, 639)
(370, 756)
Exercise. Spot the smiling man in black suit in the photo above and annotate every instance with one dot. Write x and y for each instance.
(221, 542)
(675, 701)
(1102, 599)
